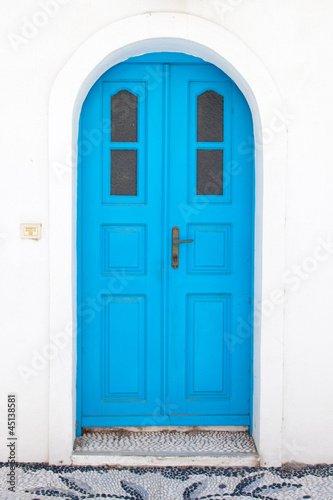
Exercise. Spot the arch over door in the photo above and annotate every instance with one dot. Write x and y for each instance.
(166, 155)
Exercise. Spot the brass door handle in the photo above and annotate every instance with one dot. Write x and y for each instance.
(175, 246)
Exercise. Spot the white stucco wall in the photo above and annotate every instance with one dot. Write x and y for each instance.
(293, 41)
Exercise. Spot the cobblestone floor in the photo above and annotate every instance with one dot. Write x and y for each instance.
(40, 481)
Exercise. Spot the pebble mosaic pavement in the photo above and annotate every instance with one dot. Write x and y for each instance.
(41, 482)
(164, 442)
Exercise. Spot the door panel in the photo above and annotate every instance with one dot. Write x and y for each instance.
(121, 251)
(161, 146)
(210, 292)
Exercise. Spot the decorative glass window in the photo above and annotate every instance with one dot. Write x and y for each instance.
(209, 130)
(124, 129)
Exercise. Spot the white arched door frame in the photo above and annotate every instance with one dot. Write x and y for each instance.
(195, 36)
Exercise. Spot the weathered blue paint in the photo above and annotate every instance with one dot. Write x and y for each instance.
(164, 346)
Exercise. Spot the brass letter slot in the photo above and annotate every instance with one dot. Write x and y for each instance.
(175, 246)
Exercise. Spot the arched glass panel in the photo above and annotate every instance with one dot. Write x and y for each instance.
(210, 117)
(124, 117)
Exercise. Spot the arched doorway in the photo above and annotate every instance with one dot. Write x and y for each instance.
(166, 154)
(116, 42)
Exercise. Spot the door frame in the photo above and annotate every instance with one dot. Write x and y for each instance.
(169, 32)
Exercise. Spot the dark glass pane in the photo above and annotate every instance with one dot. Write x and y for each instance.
(123, 172)
(209, 171)
(210, 117)
(124, 117)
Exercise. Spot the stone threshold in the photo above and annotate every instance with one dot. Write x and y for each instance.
(166, 446)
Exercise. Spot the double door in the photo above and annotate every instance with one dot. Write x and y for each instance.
(165, 156)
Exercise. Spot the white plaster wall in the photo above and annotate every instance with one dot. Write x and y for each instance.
(293, 39)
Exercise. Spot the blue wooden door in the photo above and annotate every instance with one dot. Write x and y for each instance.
(165, 142)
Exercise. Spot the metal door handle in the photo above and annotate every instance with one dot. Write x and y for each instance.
(175, 246)
(177, 242)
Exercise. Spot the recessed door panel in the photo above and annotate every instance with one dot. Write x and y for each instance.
(212, 250)
(208, 324)
(124, 380)
(124, 249)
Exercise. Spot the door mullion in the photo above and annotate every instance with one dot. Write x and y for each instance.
(165, 225)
